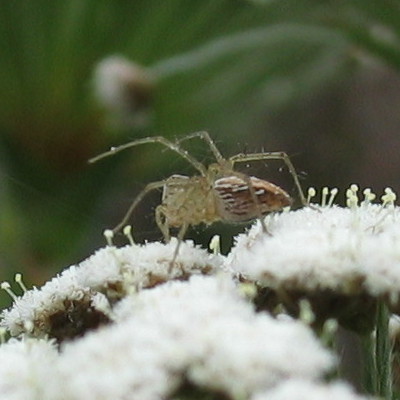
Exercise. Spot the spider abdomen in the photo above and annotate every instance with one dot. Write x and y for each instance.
(235, 201)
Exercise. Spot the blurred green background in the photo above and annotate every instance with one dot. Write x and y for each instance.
(317, 79)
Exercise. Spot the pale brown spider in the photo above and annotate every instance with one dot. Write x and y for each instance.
(217, 193)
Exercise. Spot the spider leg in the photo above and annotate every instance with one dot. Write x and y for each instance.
(155, 139)
(162, 223)
(164, 228)
(203, 135)
(148, 188)
(277, 155)
(180, 237)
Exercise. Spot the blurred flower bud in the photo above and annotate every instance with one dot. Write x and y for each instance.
(125, 90)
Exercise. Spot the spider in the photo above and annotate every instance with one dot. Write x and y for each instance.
(216, 193)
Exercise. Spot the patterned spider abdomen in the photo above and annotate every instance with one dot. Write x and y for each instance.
(235, 202)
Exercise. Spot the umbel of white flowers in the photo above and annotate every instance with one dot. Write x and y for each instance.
(181, 335)
(339, 258)
(123, 324)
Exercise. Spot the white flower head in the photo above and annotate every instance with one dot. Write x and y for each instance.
(200, 331)
(326, 252)
(50, 309)
(81, 297)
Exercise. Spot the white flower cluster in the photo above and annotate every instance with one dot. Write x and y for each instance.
(199, 331)
(130, 323)
(346, 250)
(100, 280)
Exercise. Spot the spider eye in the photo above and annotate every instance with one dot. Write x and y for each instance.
(214, 169)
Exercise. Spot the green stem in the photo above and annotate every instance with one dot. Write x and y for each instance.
(369, 374)
(383, 357)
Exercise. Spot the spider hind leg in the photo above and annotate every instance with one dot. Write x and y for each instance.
(276, 155)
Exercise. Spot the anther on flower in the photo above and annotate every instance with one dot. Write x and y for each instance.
(109, 235)
(351, 196)
(128, 233)
(354, 188)
(369, 196)
(329, 330)
(306, 313)
(311, 192)
(327, 195)
(389, 197)
(325, 192)
(331, 326)
(332, 196)
(19, 281)
(215, 244)
(7, 288)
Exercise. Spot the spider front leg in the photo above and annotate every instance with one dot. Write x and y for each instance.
(155, 139)
(277, 155)
(204, 135)
(149, 187)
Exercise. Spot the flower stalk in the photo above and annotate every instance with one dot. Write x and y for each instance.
(383, 353)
